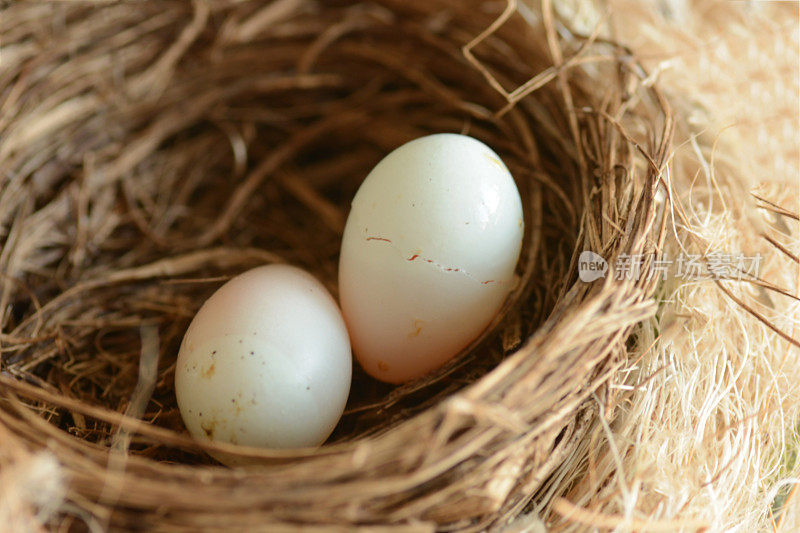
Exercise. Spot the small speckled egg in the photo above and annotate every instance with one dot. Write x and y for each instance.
(428, 254)
(266, 362)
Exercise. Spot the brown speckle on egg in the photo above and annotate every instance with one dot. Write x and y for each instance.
(209, 427)
(416, 328)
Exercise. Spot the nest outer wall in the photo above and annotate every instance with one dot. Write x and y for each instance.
(149, 152)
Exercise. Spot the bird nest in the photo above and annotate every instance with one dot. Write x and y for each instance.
(152, 150)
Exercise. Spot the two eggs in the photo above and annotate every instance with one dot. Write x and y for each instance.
(427, 259)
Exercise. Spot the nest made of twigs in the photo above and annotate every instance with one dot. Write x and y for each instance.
(150, 151)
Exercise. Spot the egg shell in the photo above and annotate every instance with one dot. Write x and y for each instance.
(428, 254)
(266, 362)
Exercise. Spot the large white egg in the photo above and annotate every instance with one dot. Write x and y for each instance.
(428, 254)
(266, 362)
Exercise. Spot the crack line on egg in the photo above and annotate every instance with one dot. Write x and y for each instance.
(432, 262)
